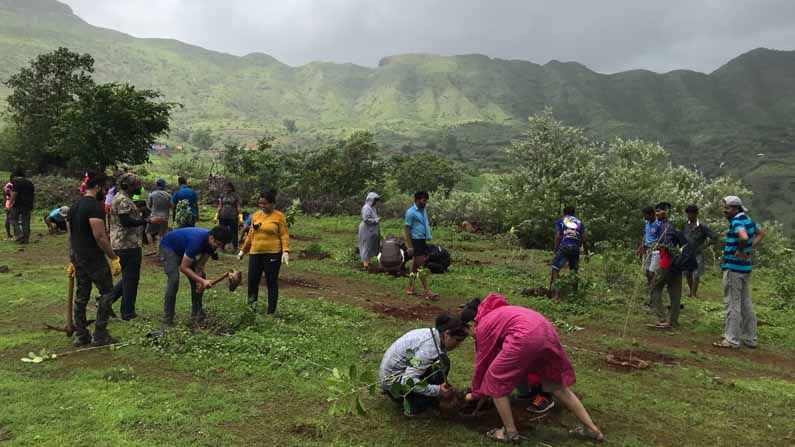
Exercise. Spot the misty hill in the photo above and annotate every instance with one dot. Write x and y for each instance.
(729, 116)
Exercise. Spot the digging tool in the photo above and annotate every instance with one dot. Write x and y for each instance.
(235, 277)
(69, 329)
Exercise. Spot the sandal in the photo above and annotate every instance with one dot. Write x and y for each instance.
(504, 436)
(723, 343)
(660, 325)
(432, 296)
(411, 293)
(586, 434)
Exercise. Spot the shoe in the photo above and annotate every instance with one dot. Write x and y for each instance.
(103, 341)
(129, 317)
(540, 404)
(80, 341)
(748, 344)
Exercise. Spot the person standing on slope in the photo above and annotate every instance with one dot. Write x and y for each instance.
(569, 238)
(742, 237)
(369, 230)
(417, 229)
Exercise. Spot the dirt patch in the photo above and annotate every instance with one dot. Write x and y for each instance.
(630, 359)
(307, 431)
(298, 237)
(314, 255)
(535, 291)
(297, 281)
(423, 311)
(363, 295)
(5, 434)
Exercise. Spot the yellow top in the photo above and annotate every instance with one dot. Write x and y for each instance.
(267, 234)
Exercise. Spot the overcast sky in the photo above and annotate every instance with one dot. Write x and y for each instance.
(606, 35)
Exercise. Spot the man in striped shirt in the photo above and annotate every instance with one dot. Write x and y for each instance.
(741, 238)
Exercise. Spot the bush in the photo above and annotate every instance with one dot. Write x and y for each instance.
(53, 190)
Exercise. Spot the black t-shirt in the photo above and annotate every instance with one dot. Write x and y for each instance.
(81, 236)
(25, 190)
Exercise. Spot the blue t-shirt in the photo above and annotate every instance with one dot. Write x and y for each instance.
(648, 235)
(190, 242)
(56, 214)
(730, 261)
(663, 234)
(185, 193)
(417, 220)
(571, 230)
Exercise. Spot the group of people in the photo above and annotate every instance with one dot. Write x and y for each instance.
(116, 232)
(417, 233)
(516, 348)
(670, 253)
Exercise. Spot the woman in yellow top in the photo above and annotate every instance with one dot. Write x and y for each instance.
(268, 246)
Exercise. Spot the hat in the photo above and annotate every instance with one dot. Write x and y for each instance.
(734, 201)
(161, 183)
(64, 211)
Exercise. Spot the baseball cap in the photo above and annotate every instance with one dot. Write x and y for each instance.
(161, 182)
(129, 179)
(734, 201)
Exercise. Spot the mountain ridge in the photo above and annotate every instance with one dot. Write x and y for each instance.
(418, 99)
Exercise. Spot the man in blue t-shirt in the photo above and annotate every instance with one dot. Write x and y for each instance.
(56, 219)
(569, 238)
(186, 250)
(417, 229)
(741, 238)
(186, 193)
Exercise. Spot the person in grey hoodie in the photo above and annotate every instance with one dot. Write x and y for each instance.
(369, 230)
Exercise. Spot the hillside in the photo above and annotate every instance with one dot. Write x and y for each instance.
(742, 109)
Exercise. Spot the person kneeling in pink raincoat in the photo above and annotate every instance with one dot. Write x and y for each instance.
(512, 343)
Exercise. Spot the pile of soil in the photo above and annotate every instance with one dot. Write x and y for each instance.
(316, 255)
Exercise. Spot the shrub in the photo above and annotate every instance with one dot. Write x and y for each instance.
(54, 190)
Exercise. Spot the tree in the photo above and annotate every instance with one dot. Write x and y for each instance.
(203, 139)
(111, 124)
(40, 93)
(289, 124)
(62, 119)
(439, 173)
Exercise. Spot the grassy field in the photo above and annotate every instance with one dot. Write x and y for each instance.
(257, 380)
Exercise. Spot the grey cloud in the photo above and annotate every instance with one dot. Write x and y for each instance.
(605, 35)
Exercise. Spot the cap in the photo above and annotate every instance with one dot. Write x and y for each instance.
(161, 182)
(734, 201)
(64, 211)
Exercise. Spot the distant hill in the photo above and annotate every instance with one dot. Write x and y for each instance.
(723, 118)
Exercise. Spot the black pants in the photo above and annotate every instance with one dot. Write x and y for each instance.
(127, 287)
(20, 221)
(92, 270)
(269, 265)
(231, 224)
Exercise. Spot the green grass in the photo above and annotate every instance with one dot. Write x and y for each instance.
(266, 383)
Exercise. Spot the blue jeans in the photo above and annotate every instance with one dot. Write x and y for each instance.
(171, 262)
(567, 254)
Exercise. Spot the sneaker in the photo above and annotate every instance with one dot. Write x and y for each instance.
(540, 404)
(103, 341)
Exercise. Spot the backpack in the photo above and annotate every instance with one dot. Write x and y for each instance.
(391, 257)
(183, 216)
(438, 259)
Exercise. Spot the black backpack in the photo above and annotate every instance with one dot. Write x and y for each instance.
(438, 259)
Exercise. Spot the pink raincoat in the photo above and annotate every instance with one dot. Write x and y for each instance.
(514, 343)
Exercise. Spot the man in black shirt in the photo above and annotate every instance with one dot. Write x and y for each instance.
(21, 206)
(89, 245)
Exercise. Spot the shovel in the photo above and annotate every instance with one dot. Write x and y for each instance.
(235, 277)
(69, 329)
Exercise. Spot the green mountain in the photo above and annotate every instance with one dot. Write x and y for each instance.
(718, 122)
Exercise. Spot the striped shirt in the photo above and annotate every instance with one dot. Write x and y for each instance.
(397, 364)
(730, 260)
